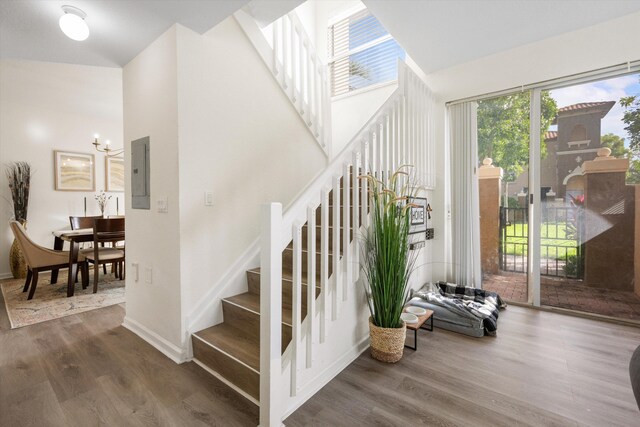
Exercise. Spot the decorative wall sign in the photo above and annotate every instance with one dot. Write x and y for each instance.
(418, 215)
(114, 173)
(74, 171)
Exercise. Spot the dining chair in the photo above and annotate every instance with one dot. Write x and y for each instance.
(78, 222)
(106, 230)
(39, 259)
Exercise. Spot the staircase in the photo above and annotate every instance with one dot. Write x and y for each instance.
(303, 317)
(232, 348)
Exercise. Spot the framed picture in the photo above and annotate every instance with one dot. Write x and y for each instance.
(114, 173)
(74, 171)
(418, 215)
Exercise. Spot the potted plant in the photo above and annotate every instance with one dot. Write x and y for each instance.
(388, 262)
(19, 178)
(102, 198)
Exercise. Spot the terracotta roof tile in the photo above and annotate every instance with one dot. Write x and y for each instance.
(550, 135)
(585, 105)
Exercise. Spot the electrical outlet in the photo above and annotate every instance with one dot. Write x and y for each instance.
(148, 275)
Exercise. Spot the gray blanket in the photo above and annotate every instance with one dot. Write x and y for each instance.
(465, 302)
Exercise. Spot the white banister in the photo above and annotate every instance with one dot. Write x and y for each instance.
(270, 315)
(324, 261)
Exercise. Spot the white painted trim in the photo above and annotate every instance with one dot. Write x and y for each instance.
(586, 150)
(323, 378)
(196, 320)
(364, 90)
(172, 351)
(6, 276)
(225, 353)
(227, 382)
(586, 143)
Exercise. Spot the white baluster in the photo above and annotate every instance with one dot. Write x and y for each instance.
(346, 240)
(270, 314)
(355, 217)
(336, 247)
(296, 301)
(311, 108)
(294, 63)
(365, 183)
(324, 261)
(285, 54)
(311, 281)
(302, 77)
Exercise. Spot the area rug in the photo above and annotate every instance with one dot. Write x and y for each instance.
(51, 302)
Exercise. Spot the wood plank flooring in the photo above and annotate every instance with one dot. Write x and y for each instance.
(86, 370)
(543, 369)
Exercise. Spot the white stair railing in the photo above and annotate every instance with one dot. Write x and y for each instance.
(399, 133)
(293, 61)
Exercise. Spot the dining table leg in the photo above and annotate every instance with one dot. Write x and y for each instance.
(58, 244)
(73, 267)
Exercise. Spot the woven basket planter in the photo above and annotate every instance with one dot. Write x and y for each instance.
(387, 344)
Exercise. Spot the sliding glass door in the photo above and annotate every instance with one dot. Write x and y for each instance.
(503, 145)
(559, 196)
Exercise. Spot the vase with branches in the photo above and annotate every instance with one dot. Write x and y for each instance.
(102, 198)
(387, 261)
(19, 179)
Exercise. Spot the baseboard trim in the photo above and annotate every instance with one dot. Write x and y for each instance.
(6, 276)
(329, 373)
(172, 351)
(226, 382)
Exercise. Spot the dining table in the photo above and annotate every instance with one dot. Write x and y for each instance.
(75, 238)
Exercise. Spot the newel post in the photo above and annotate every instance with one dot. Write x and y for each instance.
(270, 315)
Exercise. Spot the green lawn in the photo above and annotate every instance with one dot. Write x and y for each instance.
(553, 242)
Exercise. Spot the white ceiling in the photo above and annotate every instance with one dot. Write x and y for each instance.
(438, 34)
(120, 29)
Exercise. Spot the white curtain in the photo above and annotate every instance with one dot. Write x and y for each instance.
(464, 232)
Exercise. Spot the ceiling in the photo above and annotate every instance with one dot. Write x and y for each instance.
(120, 29)
(439, 34)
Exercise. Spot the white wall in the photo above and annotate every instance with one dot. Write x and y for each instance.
(150, 83)
(45, 107)
(609, 43)
(241, 138)
(218, 122)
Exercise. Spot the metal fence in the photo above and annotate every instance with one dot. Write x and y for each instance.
(561, 248)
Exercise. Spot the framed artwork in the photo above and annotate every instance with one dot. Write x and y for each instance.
(114, 173)
(74, 171)
(418, 215)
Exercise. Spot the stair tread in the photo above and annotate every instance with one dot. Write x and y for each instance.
(251, 302)
(286, 275)
(234, 342)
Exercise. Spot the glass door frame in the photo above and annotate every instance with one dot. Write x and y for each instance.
(534, 202)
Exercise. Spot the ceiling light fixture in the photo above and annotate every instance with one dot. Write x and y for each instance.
(72, 23)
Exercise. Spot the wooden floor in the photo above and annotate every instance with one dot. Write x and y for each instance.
(542, 369)
(87, 370)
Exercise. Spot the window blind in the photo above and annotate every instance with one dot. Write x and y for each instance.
(361, 53)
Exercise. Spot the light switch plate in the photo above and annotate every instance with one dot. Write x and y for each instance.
(162, 205)
(208, 198)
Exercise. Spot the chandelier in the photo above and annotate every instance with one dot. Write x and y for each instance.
(110, 152)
